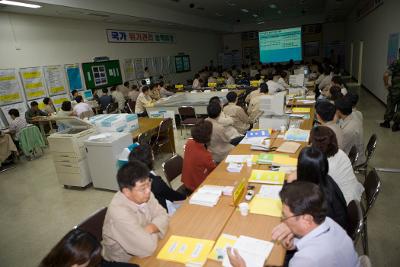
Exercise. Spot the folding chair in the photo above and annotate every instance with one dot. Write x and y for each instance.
(353, 156)
(187, 116)
(172, 168)
(369, 151)
(355, 217)
(162, 137)
(94, 224)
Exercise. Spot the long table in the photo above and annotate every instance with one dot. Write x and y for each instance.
(209, 223)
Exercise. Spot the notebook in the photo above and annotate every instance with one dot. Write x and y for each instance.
(266, 177)
(288, 147)
(301, 110)
(253, 251)
(266, 206)
(280, 160)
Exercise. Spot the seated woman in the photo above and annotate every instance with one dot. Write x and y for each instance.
(313, 167)
(197, 160)
(160, 189)
(78, 249)
(220, 143)
(65, 111)
(340, 168)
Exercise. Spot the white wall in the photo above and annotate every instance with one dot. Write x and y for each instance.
(374, 30)
(47, 40)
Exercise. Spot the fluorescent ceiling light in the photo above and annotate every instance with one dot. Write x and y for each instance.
(15, 3)
(261, 22)
(255, 15)
(245, 10)
(272, 6)
(279, 12)
(218, 14)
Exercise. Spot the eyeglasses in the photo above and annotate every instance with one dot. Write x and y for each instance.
(287, 218)
(145, 186)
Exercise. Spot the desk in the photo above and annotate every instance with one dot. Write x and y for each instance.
(41, 121)
(208, 223)
(150, 125)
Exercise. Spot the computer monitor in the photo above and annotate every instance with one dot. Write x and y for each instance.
(87, 95)
(148, 81)
(273, 104)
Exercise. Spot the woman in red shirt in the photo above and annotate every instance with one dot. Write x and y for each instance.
(197, 160)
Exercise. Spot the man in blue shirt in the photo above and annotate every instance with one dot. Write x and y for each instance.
(318, 239)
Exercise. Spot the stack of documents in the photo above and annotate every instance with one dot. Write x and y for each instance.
(207, 195)
(299, 135)
(253, 251)
(270, 191)
(238, 158)
(234, 167)
(186, 250)
(267, 177)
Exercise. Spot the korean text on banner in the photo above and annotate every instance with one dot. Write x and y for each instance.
(32, 79)
(55, 79)
(10, 90)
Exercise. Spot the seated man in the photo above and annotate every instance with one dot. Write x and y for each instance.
(326, 116)
(16, 125)
(34, 111)
(135, 220)
(274, 87)
(163, 92)
(241, 121)
(254, 106)
(353, 97)
(118, 98)
(81, 107)
(318, 239)
(105, 99)
(352, 128)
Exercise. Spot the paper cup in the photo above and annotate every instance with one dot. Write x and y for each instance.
(244, 208)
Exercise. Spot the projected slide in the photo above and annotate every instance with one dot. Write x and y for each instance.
(280, 45)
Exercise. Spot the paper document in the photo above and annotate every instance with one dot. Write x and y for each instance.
(301, 110)
(295, 134)
(234, 167)
(253, 251)
(238, 158)
(186, 250)
(266, 206)
(288, 147)
(258, 133)
(253, 140)
(267, 177)
(270, 191)
(218, 252)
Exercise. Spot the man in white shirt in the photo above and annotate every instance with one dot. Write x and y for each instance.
(319, 240)
(326, 116)
(17, 123)
(254, 105)
(124, 89)
(326, 80)
(273, 87)
(143, 101)
(241, 121)
(282, 79)
(230, 80)
(118, 97)
(81, 107)
(352, 129)
(196, 82)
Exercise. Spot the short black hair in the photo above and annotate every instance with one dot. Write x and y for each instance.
(305, 198)
(161, 83)
(113, 88)
(142, 153)
(213, 110)
(13, 112)
(324, 138)
(143, 82)
(201, 132)
(326, 110)
(145, 89)
(353, 98)
(231, 96)
(344, 106)
(337, 80)
(263, 88)
(46, 100)
(79, 99)
(214, 99)
(270, 77)
(74, 92)
(104, 90)
(34, 104)
(130, 173)
(283, 74)
(335, 92)
(66, 106)
(126, 83)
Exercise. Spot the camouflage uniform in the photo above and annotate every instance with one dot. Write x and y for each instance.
(393, 98)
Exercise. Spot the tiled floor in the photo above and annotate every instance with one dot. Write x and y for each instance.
(36, 211)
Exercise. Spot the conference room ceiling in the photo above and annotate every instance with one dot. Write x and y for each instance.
(215, 15)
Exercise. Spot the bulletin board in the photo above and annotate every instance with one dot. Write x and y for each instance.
(33, 82)
(10, 88)
(102, 74)
(74, 77)
(55, 79)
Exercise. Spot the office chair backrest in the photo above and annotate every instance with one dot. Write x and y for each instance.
(372, 187)
(94, 224)
(173, 167)
(371, 146)
(31, 139)
(164, 127)
(355, 219)
(131, 106)
(144, 138)
(353, 155)
(186, 112)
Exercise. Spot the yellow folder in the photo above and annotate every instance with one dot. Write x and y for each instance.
(267, 177)
(280, 160)
(186, 250)
(301, 110)
(266, 206)
(219, 250)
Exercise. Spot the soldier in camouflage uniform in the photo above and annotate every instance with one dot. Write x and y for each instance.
(393, 98)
